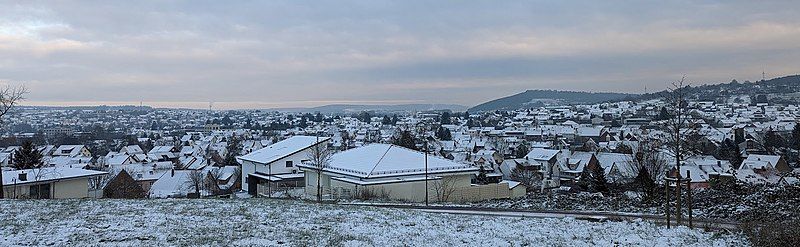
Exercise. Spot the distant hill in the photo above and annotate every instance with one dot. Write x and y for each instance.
(776, 87)
(537, 98)
(345, 108)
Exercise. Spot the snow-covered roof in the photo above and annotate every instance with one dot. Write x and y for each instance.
(117, 159)
(161, 149)
(386, 160)
(69, 150)
(757, 158)
(282, 149)
(47, 174)
(133, 149)
(511, 183)
(541, 154)
(170, 185)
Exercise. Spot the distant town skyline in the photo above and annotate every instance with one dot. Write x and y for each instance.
(282, 54)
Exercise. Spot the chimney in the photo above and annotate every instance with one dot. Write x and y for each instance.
(23, 177)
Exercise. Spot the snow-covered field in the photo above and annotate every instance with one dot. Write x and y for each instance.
(250, 222)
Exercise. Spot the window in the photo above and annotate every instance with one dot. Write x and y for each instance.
(40, 191)
(288, 163)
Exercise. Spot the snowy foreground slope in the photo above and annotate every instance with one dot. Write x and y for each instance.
(274, 222)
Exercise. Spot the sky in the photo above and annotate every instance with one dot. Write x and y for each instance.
(266, 54)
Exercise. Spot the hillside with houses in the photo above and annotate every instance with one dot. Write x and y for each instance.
(611, 156)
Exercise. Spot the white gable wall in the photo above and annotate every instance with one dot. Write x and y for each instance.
(278, 167)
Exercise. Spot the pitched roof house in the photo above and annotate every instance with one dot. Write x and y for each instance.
(278, 162)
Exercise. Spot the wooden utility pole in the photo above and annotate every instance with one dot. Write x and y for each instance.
(1, 185)
(678, 209)
(426, 171)
(269, 181)
(689, 195)
(666, 194)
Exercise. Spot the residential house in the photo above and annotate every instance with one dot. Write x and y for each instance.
(72, 151)
(277, 164)
(49, 182)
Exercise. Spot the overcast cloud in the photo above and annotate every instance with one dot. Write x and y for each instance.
(261, 54)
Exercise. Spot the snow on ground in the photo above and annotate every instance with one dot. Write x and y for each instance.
(263, 222)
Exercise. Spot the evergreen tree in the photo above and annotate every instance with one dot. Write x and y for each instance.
(599, 182)
(445, 118)
(738, 135)
(444, 134)
(147, 146)
(394, 119)
(772, 140)
(645, 182)
(521, 151)
(584, 183)
(624, 149)
(234, 149)
(664, 114)
(731, 152)
(615, 123)
(303, 123)
(796, 136)
(406, 140)
(481, 178)
(27, 157)
(365, 117)
(593, 179)
(386, 120)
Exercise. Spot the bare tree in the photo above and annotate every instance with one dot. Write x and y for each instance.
(677, 107)
(648, 157)
(531, 178)
(319, 157)
(197, 181)
(9, 98)
(217, 174)
(97, 183)
(212, 180)
(649, 164)
(500, 145)
(41, 173)
(444, 188)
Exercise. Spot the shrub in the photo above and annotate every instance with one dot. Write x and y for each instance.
(774, 233)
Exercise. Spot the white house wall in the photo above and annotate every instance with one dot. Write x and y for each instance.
(278, 167)
(64, 189)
